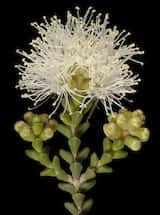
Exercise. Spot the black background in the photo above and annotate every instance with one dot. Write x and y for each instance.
(133, 187)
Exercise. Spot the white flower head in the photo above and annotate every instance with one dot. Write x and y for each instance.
(85, 46)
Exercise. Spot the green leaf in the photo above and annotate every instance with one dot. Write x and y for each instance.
(94, 160)
(74, 143)
(67, 188)
(64, 130)
(104, 169)
(88, 175)
(76, 118)
(83, 154)
(66, 118)
(120, 154)
(48, 172)
(105, 159)
(60, 173)
(87, 205)
(37, 144)
(44, 159)
(76, 169)
(117, 145)
(82, 128)
(84, 187)
(71, 208)
(32, 154)
(107, 145)
(78, 199)
(66, 155)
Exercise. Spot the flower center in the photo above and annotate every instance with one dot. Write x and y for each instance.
(79, 78)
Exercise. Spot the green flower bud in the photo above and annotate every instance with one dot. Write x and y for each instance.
(37, 128)
(112, 131)
(143, 134)
(52, 124)
(28, 116)
(47, 134)
(36, 118)
(18, 126)
(26, 133)
(44, 118)
(122, 120)
(139, 113)
(133, 143)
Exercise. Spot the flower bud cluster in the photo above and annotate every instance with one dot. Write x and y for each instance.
(35, 127)
(127, 127)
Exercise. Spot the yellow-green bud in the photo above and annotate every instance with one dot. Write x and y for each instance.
(143, 134)
(135, 122)
(112, 131)
(133, 143)
(52, 124)
(139, 113)
(37, 128)
(122, 120)
(18, 126)
(26, 134)
(44, 118)
(47, 134)
(28, 116)
(36, 118)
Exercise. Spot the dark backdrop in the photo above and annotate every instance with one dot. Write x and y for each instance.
(132, 188)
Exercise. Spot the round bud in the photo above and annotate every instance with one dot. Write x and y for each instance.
(44, 118)
(139, 113)
(28, 116)
(18, 126)
(133, 143)
(122, 120)
(144, 134)
(112, 131)
(26, 133)
(135, 122)
(36, 118)
(47, 134)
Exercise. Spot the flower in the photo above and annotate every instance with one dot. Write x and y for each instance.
(83, 60)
